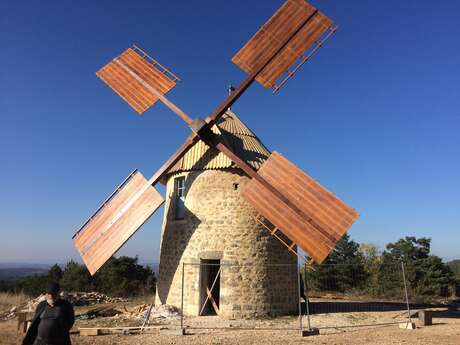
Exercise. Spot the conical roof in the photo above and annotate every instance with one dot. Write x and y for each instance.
(237, 136)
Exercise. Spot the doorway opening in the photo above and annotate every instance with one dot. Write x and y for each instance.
(209, 287)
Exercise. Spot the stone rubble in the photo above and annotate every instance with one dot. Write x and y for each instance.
(90, 298)
(164, 312)
(157, 314)
(103, 306)
(76, 298)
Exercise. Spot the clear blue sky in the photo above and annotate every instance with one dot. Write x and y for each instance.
(375, 116)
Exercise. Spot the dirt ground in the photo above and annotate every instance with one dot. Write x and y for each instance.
(445, 330)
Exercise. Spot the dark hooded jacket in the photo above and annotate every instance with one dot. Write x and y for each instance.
(66, 321)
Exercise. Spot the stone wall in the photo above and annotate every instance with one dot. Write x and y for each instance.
(219, 224)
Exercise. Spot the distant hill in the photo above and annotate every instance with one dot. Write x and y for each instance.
(23, 265)
(455, 267)
(17, 271)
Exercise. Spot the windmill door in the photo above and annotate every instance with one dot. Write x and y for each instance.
(209, 287)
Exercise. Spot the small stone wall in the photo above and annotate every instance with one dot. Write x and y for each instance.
(219, 224)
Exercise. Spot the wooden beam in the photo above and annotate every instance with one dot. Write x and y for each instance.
(94, 331)
(273, 233)
(213, 302)
(191, 140)
(221, 109)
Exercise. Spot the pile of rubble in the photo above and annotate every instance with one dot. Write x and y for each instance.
(90, 298)
(76, 298)
(164, 312)
(155, 314)
(142, 311)
(102, 306)
(5, 315)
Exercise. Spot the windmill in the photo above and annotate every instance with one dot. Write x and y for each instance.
(293, 207)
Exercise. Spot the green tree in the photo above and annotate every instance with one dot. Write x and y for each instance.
(454, 266)
(372, 260)
(342, 271)
(55, 273)
(33, 285)
(123, 276)
(426, 274)
(408, 249)
(76, 278)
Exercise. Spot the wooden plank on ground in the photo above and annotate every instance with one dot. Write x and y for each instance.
(94, 331)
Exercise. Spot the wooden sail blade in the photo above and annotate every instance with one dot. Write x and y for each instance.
(295, 17)
(119, 217)
(137, 78)
(311, 216)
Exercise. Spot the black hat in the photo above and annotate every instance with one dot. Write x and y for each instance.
(53, 288)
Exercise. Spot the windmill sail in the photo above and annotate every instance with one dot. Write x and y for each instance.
(310, 215)
(119, 217)
(297, 21)
(137, 78)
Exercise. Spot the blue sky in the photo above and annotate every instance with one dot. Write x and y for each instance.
(374, 116)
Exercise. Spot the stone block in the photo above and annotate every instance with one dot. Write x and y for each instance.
(309, 332)
(425, 317)
(407, 325)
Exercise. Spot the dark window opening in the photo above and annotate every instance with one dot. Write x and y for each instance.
(179, 192)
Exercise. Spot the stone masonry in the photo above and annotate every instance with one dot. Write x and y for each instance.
(258, 273)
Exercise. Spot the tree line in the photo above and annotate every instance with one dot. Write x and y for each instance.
(350, 268)
(122, 276)
(364, 270)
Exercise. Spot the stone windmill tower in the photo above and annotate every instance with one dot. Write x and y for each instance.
(207, 221)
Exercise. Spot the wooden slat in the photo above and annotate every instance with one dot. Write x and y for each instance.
(119, 86)
(116, 221)
(213, 302)
(147, 72)
(281, 25)
(317, 220)
(289, 222)
(110, 206)
(133, 89)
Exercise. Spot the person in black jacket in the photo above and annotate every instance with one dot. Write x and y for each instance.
(52, 321)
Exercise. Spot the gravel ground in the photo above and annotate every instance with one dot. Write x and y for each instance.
(445, 331)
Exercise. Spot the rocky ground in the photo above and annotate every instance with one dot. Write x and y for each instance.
(215, 331)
